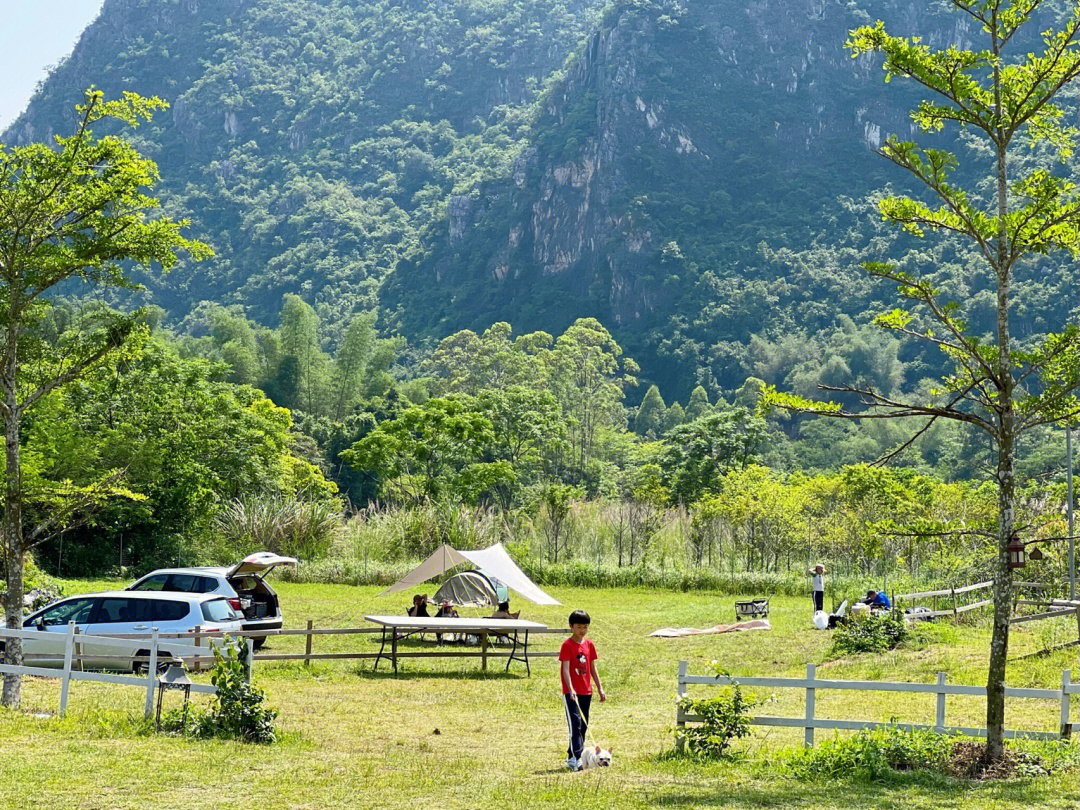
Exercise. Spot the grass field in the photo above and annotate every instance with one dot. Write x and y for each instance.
(352, 738)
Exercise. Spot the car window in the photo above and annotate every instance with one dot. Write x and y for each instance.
(244, 583)
(169, 611)
(117, 610)
(219, 610)
(74, 610)
(190, 583)
(154, 583)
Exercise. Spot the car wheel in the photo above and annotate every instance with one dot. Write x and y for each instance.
(140, 667)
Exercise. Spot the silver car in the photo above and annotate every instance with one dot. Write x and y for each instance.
(123, 612)
(243, 584)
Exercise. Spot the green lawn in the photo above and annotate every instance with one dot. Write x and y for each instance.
(356, 739)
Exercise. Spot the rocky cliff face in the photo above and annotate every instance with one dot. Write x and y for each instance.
(660, 167)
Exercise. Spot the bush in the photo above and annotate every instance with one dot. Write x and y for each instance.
(724, 719)
(237, 711)
(874, 633)
(872, 755)
(883, 754)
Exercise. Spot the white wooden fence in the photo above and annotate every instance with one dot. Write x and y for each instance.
(183, 650)
(811, 684)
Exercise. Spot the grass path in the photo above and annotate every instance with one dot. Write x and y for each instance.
(357, 739)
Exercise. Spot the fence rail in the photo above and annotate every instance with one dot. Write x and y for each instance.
(811, 683)
(66, 673)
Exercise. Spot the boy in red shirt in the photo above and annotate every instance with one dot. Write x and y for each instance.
(577, 658)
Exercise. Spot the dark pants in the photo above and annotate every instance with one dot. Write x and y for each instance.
(819, 600)
(576, 724)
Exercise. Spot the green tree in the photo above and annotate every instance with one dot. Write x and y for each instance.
(697, 455)
(998, 385)
(650, 413)
(423, 452)
(698, 406)
(350, 363)
(305, 367)
(73, 210)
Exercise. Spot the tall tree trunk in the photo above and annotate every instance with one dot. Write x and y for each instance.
(12, 530)
(999, 642)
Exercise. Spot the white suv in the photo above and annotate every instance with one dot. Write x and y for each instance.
(244, 585)
(122, 612)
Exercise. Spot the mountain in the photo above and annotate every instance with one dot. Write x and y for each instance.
(696, 174)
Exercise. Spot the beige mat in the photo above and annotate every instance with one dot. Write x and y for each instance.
(679, 632)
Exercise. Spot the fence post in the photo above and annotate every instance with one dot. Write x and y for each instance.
(1078, 625)
(808, 738)
(151, 673)
(196, 665)
(939, 719)
(65, 677)
(955, 613)
(1066, 726)
(680, 723)
(249, 644)
(78, 652)
(307, 646)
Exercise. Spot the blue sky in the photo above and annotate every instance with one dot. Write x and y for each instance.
(35, 34)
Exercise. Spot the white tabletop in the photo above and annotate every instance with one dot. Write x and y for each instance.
(432, 623)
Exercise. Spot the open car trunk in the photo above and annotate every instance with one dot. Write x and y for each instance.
(257, 599)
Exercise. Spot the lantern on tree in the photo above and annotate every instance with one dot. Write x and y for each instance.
(1017, 553)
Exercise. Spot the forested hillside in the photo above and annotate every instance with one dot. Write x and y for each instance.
(693, 174)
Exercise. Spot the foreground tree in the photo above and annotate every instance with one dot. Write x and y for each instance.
(73, 212)
(997, 385)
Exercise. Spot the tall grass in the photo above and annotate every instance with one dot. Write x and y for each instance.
(602, 545)
(297, 528)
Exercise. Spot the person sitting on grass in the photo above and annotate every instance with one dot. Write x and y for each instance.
(577, 667)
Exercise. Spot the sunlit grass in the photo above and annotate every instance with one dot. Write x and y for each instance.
(352, 738)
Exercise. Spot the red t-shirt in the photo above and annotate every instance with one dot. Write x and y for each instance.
(580, 657)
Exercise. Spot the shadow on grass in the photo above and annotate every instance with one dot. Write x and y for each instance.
(429, 674)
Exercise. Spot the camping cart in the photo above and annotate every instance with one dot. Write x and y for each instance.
(751, 608)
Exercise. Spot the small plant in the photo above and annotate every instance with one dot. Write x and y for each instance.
(873, 633)
(723, 719)
(237, 711)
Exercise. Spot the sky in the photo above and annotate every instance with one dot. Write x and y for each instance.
(35, 34)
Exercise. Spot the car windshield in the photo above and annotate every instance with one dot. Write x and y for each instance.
(219, 610)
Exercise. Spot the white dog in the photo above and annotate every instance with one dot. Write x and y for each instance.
(595, 757)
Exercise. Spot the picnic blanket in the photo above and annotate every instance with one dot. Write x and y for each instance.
(679, 632)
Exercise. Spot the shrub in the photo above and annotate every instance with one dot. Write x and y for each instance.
(724, 719)
(237, 711)
(874, 633)
(871, 755)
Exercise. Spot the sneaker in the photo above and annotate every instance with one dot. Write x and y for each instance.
(573, 765)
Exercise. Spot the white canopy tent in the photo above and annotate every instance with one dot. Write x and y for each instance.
(493, 561)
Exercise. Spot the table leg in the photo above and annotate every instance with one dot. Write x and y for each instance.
(393, 650)
(525, 652)
(382, 647)
(513, 650)
(483, 650)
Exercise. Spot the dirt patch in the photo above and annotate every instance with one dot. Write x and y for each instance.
(967, 762)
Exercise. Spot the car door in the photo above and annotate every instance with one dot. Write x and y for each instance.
(117, 615)
(54, 621)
